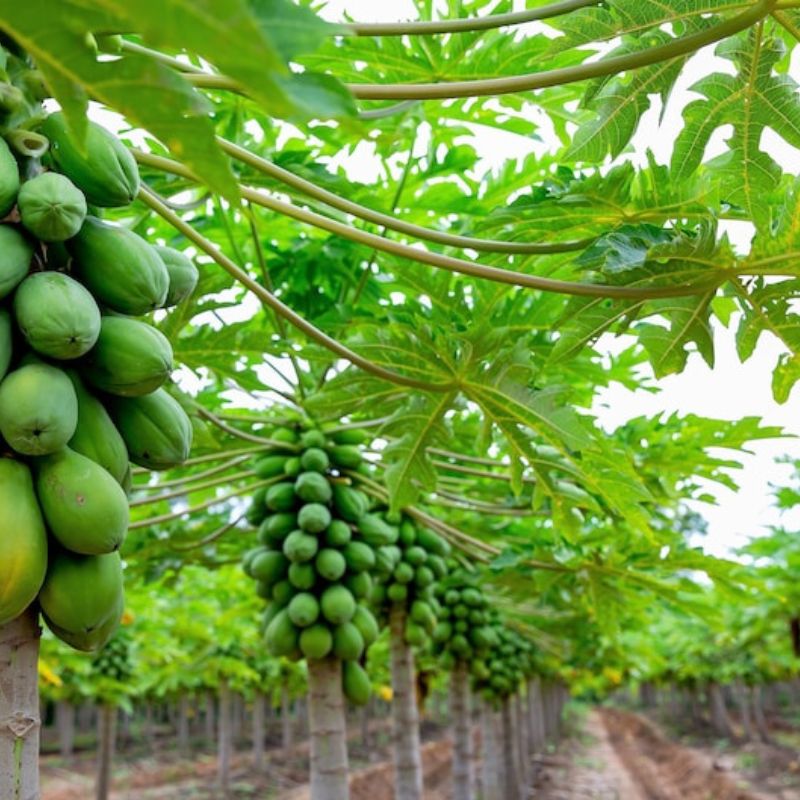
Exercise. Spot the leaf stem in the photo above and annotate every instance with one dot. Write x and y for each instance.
(191, 489)
(207, 473)
(212, 537)
(208, 457)
(248, 437)
(314, 333)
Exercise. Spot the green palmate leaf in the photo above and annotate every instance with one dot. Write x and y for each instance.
(291, 29)
(755, 98)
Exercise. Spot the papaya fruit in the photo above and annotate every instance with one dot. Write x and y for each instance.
(312, 438)
(130, 358)
(6, 342)
(338, 533)
(302, 576)
(345, 456)
(96, 436)
(408, 533)
(348, 643)
(355, 683)
(276, 527)
(291, 467)
(38, 409)
(330, 564)
(415, 556)
(156, 430)
(119, 268)
(58, 316)
(312, 487)
(80, 593)
(360, 585)
(415, 635)
(423, 577)
(367, 625)
(269, 566)
(280, 497)
(314, 460)
(16, 253)
(314, 518)
(269, 466)
(104, 169)
(303, 609)
(316, 641)
(300, 547)
(360, 557)
(397, 592)
(349, 436)
(9, 179)
(282, 593)
(403, 573)
(84, 507)
(23, 540)
(281, 635)
(350, 503)
(91, 641)
(51, 207)
(337, 604)
(433, 543)
(183, 274)
(375, 531)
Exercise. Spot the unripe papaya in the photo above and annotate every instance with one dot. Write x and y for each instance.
(51, 207)
(57, 315)
(156, 430)
(96, 436)
(183, 274)
(105, 171)
(119, 268)
(16, 253)
(365, 621)
(23, 540)
(80, 593)
(9, 179)
(349, 436)
(316, 642)
(348, 643)
(6, 342)
(281, 635)
(93, 640)
(38, 409)
(355, 683)
(130, 358)
(84, 507)
(338, 604)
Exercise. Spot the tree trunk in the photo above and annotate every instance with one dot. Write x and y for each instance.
(537, 715)
(286, 717)
(106, 736)
(758, 715)
(366, 715)
(719, 713)
(259, 733)
(149, 728)
(224, 741)
(491, 768)
(510, 760)
(521, 742)
(183, 726)
(329, 768)
(20, 721)
(462, 733)
(65, 725)
(405, 717)
(210, 721)
(743, 701)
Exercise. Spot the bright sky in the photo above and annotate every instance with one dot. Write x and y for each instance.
(731, 390)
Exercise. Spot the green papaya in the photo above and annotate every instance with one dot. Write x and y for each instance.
(314, 460)
(350, 503)
(6, 342)
(269, 466)
(300, 547)
(423, 577)
(433, 543)
(403, 573)
(276, 527)
(355, 683)
(183, 274)
(330, 564)
(156, 430)
(367, 625)
(94, 640)
(281, 635)
(312, 487)
(360, 557)
(302, 576)
(16, 253)
(130, 358)
(338, 533)
(119, 268)
(312, 438)
(316, 641)
(397, 592)
(96, 436)
(415, 634)
(282, 593)
(291, 467)
(9, 179)
(303, 609)
(51, 207)
(314, 518)
(345, 456)
(349, 436)
(338, 604)
(38, 409)
(280, 497)
(375, 531)
(269, 566)
(84, 507)
(415, 556)
(348, 643)
(104, 170)
(80, 593)
(23, 543)
(57, 315)
(360, 585)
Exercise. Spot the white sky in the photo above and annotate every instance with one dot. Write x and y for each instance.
(732, 390)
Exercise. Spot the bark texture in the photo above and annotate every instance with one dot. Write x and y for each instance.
(183, 725)
(405, 717)
(259, 730)
(65, 724)
(106, 735)
(224, 741)
(286, 718)
(329, 767)
(491, 767)
(20, 722)
(462, 738)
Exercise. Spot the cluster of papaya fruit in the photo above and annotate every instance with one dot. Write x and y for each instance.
(506, 666)
(318, 545)
(408, 574)
(81, 376)
(464, 632)
(114, 660)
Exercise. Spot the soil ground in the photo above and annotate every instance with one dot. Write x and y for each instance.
(611, 754)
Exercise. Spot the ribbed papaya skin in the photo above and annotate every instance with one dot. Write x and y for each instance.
(9, 179)
(183, 274)
(16, 253)
(23, 540)
(6, 342)
(93, 640)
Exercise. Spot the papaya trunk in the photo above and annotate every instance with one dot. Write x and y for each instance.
(329, 768)
(106, 735)
(259, 705)
(286, 718)
(183, 725)
(719, 712)
(462, 733)
(520, 742)
(491, 767)
(224, 742)
(758, 715)
(510, 759)
(537, 715)
(20, 722)
(65, 724)
(743, 700)
(405, 716)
